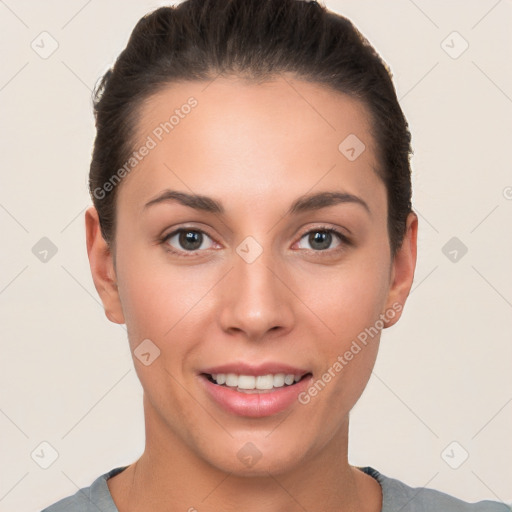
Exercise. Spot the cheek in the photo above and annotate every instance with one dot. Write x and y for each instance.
(160, 299)
(347, 328)
(346, 299)
(158, 302)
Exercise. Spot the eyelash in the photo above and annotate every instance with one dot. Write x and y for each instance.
(323, 229)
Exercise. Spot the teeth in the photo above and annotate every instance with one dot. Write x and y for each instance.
(231, 380)
(289, 379)
(244, 381)
(262, 382)
(279, 380)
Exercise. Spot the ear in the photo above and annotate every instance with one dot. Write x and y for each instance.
(402, 272)
(102, 267)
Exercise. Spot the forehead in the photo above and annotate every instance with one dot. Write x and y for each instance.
(237, 106)
(230, 136)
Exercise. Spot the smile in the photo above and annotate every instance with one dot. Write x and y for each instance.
(255, 383)
(254, 392)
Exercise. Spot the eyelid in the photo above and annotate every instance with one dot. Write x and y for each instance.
(163, 239)
(344, 239)
(324, 227)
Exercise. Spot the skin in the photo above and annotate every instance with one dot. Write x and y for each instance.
(256, 148)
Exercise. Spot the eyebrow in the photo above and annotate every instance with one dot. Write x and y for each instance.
(305, 203)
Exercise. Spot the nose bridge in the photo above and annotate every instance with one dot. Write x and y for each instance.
(256, 300)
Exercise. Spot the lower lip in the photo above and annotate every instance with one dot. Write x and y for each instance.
(254, 405)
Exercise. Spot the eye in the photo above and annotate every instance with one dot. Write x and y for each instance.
(190, 240)
(320, 239)
(186, 240)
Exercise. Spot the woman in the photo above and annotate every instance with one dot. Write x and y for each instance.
(252, 226)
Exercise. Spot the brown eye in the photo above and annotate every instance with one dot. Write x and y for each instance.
(186, 240)
(321, 239)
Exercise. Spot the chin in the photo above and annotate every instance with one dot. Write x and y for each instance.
(255, 456)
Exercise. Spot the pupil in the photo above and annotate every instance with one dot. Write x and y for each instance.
(190, 237)
(321, 237)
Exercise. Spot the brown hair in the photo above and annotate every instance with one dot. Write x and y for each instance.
(200, 39)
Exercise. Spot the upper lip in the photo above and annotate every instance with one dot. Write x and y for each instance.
(242, 368)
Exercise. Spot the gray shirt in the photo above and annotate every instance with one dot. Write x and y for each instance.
(396, 496)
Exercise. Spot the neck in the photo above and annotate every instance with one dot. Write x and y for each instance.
(170, 474)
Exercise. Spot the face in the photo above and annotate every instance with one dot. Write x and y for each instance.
(283, 267)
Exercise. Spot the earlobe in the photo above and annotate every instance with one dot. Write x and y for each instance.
(402, 275)
(102, 267)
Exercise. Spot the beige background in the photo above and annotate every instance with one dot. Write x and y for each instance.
(443, 372)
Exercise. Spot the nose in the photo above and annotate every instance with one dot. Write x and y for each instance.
(257, 301)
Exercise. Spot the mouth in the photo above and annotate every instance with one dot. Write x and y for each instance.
(255, 392)
(252, 384)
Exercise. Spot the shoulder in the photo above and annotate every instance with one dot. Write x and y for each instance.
(397, 495)
(89, 499)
